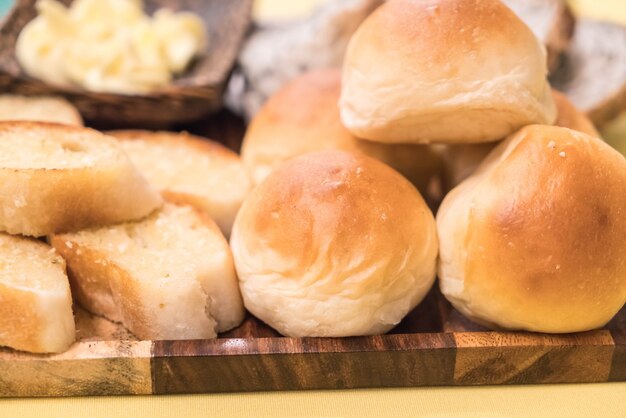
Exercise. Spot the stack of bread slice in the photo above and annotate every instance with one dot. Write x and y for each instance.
(164, 271)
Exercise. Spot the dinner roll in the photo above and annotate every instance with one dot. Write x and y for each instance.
(461, 160)
(446, 71)
(568, 116)
(303, 117)
(334, 244)
(535, 239)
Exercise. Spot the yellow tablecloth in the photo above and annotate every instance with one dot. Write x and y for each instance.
(596, 400)
(571, 401)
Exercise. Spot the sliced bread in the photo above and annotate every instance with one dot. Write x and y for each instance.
(552, 22)
(39, 108)
(35, 300)
(170, 276)
(57, 178)
(190, 170)
(593, 74)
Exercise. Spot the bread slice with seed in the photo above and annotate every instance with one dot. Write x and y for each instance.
(39, 108)
(552, 22)
(35, 300)
(170, 276)
(191, 170)
(593, 74)
(57, 178)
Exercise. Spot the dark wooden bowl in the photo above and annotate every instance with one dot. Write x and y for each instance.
(190, 96)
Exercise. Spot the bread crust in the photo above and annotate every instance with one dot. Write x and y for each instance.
(538, 247)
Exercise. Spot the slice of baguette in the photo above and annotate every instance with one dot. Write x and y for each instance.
(170, 276)
(190, 170)
(57, 178)
(593, 74)
(39, 108)
(35, 300)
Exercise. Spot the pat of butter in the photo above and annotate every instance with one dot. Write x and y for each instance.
(108, 46)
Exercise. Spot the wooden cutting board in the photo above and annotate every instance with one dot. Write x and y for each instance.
(434, 345)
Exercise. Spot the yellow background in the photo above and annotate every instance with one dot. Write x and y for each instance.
(597, 400)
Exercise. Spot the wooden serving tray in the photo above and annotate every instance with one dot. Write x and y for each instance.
(434, 345)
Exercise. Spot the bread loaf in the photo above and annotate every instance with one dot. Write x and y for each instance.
(170, 276)
(35, 300)
(57, 178)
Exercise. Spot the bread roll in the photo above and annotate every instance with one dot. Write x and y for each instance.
(460, 161)
(445, 71)
(170, 276)
(568, 116)
(534, 240)
(35, 300)
(190, 170)
(56, 178)
(304, 117)
(334, 244)
(39, 108)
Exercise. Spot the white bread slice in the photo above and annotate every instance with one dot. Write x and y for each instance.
(35, 300)
(39, 108)
(552, 22)
(58, 178)
(593, 74)
(190, 170)
(170, 276)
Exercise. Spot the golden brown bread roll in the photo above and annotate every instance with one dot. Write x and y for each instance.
(334, 244)
(535, 239)
(461, 160)
(303, 117)
(446, 71)
(568, 116)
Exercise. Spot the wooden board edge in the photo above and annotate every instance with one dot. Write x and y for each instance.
(246, 365)
(87, 368)
(497, 358)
